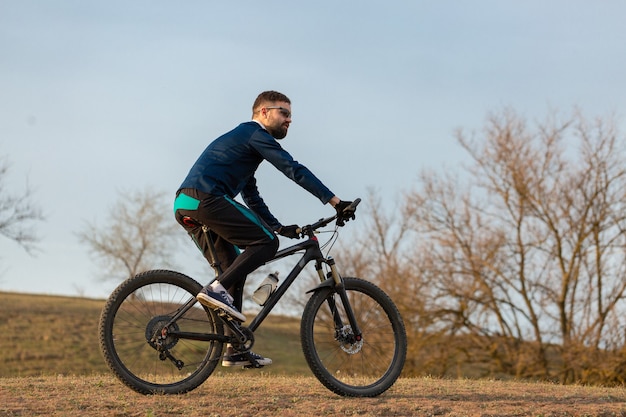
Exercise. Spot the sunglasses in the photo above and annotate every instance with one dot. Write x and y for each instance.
(285, 112)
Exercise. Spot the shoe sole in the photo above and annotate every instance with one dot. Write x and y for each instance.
(263, 362)
(212, 303)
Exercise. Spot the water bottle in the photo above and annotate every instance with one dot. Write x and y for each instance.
(266, 289)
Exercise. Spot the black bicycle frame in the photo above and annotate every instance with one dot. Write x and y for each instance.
(312, 252)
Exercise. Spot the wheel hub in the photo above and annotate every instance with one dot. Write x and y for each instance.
(157, 333)
(348, 340)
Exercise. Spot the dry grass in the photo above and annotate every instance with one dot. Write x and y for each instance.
(49, 336)
(250, 393)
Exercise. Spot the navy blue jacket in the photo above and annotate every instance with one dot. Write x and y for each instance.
(228, 164)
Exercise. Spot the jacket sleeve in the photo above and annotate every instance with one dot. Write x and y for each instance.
(271, 151)
(254, 201)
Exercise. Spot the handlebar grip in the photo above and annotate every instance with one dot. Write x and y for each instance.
(353, 205)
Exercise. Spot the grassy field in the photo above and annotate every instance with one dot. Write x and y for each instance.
(51, 365)
(50, 335)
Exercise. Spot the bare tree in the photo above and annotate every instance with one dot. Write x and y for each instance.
(515, 263)
(18, 213)
(139, 234)
(384, 254)
(527, 251)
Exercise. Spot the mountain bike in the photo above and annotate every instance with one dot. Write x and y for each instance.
(156, 337)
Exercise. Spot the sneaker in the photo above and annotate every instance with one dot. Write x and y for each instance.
(219, 300)
(240, 359)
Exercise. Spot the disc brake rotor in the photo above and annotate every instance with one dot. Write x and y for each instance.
(347, 340)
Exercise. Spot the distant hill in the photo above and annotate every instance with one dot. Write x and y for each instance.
(52, 335)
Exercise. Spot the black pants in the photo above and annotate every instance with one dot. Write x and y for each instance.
(232, 225)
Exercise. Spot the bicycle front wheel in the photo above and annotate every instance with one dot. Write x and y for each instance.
(344, 363)
(136, 347)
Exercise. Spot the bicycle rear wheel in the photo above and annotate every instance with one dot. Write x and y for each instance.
(345, 365)
(132, 320)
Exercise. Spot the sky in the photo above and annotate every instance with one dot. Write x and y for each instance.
(101, 97)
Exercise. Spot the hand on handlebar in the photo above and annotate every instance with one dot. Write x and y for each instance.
(292, 231)
(345, 212)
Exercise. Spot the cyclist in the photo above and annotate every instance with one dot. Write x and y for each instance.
(224, 170)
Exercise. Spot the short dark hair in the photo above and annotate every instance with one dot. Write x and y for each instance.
(269, 97)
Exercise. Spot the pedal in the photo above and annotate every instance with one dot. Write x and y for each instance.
(225, 316)
(253, 362)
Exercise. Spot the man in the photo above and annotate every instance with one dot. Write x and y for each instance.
(224, 170)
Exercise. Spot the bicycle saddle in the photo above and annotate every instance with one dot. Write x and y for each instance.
(190, 222)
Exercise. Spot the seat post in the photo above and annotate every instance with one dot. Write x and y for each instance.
(215, 264)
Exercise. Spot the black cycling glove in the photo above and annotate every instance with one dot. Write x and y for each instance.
(343, 213)
(292, 232)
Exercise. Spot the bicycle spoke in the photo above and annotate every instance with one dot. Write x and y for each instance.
(343, 362)
(140, 352)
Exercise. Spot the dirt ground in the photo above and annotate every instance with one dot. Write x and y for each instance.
(256, 394)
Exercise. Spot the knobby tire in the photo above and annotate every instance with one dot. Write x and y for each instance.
(343, 365)
(135, 312)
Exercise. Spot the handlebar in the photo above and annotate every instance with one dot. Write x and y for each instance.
(310, 229)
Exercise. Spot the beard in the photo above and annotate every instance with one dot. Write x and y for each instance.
(278, 132)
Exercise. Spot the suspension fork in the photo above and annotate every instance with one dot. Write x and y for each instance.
(339, 288)
(330, 300)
